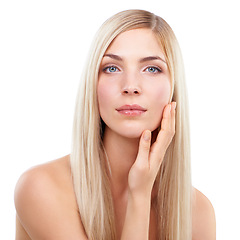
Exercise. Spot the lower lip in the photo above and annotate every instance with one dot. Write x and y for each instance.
(131, 112)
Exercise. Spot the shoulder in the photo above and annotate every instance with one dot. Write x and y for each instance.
(45, 201)
(44, 178)
(204, 222)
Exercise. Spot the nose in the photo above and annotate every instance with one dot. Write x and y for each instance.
(131, 91)
(131, 84)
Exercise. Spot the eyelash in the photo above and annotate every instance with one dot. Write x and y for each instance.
(108, 67)
(157, 69)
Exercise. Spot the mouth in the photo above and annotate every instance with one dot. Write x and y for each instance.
(131, 110)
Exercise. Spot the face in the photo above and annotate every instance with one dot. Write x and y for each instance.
(134, 84)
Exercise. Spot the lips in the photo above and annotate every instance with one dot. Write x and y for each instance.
(131, 110)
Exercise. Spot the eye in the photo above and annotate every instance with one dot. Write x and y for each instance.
(110, 69)
(152, 69)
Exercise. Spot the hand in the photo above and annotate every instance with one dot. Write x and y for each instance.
(144, 171)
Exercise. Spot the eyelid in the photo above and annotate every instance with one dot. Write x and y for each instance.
(159, 70)
(108, 66)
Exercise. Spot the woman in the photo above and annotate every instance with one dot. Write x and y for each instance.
(128, 176)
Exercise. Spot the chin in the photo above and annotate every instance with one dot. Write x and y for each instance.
(131, 130)
(132, 135)
(136, 133)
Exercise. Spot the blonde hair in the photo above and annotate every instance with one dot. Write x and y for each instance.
(88, 165)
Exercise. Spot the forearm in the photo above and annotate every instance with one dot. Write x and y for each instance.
(136, 225)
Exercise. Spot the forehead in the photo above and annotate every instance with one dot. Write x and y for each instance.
(139, 42)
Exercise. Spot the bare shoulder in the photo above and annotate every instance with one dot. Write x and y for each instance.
(45, 203)
(204, 222)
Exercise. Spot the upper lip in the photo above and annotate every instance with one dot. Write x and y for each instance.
(131, 107)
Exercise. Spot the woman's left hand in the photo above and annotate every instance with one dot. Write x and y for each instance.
(144, 170)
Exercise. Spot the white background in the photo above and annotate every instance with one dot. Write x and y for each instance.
(43, 46)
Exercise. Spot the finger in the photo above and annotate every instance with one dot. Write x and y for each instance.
(144, 148)
(167, 116)
(168, 122)
(173, 116)
(166, 133)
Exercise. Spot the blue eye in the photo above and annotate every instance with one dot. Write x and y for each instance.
(110, 69)
(153, 69)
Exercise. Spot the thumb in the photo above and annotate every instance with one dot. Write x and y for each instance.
(144, 148)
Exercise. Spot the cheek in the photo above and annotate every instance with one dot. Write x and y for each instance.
(161, 94)
(102, 95)
(105, 95)
(159, 99)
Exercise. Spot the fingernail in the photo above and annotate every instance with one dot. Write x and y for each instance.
(146, 135)
(170, 107)
(174, 105)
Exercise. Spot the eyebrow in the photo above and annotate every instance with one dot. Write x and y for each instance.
(145, 59)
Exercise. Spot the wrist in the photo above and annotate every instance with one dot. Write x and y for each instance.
(139, 199)
(137, 194)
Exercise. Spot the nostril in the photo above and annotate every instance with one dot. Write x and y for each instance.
(131, 91)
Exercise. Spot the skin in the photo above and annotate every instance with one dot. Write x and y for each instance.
(44, 196)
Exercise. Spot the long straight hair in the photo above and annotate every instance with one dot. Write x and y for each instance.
(88, 164)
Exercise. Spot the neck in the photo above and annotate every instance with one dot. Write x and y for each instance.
(121, 153)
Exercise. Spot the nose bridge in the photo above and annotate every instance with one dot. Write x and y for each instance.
(131, 82)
